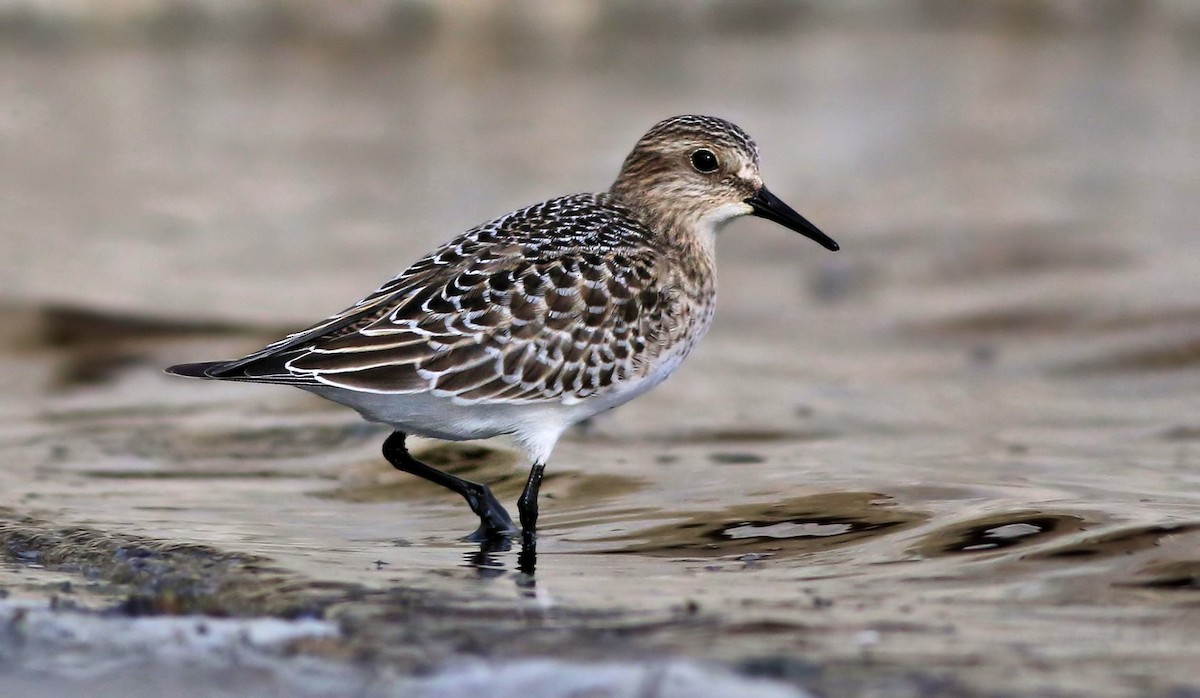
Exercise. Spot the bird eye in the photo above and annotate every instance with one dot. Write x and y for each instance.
(704, 160)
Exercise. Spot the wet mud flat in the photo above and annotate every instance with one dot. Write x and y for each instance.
(958, 458)
(731, 559)
(335, 638)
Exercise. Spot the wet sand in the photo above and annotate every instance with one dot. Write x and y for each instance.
(957, 458)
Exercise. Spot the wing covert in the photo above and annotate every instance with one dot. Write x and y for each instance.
(502, 313)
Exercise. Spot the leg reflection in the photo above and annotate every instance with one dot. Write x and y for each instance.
(527, 559)
(486, 560)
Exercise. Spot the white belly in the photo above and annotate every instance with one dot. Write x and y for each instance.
(536, 425)
(451, 419)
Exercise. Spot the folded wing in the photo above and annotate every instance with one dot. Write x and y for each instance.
(486, 318)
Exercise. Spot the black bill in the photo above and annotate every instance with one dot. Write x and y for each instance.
(767, 205)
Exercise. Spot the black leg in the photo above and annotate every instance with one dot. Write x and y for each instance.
(494, 521)
(527, 505)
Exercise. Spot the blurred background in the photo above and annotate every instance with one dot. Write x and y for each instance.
(969, 437)
(268, 161)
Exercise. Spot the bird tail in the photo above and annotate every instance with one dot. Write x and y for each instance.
(202, 369)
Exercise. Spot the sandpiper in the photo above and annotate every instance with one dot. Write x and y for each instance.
(538, 319)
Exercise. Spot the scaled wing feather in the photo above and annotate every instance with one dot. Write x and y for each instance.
(505, 312)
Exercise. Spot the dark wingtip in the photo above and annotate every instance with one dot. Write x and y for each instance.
(196, 370)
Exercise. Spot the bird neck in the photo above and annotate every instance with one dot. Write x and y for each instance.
(668, 217)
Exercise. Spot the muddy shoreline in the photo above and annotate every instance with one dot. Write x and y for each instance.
(400, 630)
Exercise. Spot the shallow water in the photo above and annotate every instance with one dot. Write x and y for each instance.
(964, 446)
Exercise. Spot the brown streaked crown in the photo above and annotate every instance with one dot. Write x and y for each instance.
(660, 181)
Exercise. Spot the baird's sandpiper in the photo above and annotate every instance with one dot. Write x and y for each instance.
(540, 318)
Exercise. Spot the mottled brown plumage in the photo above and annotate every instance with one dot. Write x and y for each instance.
(561, 313)
(545, 316)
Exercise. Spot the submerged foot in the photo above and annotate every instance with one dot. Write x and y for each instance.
(494, 524)
(485, 534)
(494, 521)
